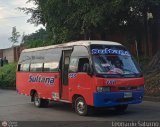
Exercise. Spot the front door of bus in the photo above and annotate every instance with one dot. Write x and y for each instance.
(65, 66)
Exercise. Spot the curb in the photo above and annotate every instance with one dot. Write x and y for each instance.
(150, 98)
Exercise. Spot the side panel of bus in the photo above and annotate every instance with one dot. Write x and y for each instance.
(39, 71)
(28, 82)
(81, 84)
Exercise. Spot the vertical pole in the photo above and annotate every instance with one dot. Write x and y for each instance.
(137, 53)
(146, 33)
(146, 28)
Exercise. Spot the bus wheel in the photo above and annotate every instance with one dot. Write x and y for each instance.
(81, 106)
(121, 108)
(39, 102)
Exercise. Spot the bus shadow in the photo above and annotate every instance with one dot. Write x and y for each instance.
(97, 112)
(109, 112)
(60, 106)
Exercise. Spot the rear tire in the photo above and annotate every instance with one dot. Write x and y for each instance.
(39, 102)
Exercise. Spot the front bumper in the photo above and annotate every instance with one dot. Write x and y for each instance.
(110, 99)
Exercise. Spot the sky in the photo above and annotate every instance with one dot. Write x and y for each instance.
(10, 16)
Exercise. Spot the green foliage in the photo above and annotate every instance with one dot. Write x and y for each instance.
(67, 20)
(8, 76)
(40, 34)
(37, 39)
(37, 43)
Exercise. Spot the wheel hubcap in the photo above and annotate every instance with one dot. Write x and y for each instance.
(81, 107)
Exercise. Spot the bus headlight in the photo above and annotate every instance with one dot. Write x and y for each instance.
(103, 89)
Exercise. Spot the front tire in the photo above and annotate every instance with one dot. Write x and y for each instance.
(39, 102)
(81, 106)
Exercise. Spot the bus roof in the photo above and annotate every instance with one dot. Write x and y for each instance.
(85, 43)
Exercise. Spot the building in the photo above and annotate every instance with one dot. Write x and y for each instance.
(12, 54)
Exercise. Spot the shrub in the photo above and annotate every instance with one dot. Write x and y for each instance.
(8, 76)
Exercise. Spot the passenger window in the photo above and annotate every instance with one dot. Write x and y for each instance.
(51, 67)
(37, 67)
(81, 64)
(73, 65)
(23, 67)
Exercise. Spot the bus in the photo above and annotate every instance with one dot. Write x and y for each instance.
(86, 74)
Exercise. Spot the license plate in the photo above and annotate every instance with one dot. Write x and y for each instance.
(127, 94)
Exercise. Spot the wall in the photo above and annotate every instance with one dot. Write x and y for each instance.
(1, 53)
(11, 54)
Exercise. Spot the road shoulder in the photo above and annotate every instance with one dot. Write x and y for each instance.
(150, 98)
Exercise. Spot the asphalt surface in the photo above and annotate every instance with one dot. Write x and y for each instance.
(15, 107)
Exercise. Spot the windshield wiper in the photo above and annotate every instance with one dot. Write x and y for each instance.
(133, 75)
(131, 72)
(110, 75)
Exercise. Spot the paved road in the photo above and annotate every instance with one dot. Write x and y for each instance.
(15, 107)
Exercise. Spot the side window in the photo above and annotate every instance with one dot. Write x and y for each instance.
(82, 63)
(80, 51)
(73, 65)
(23, 67)
(51, 67)
(36, 67)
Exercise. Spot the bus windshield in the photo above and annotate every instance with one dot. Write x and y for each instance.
(113, 61)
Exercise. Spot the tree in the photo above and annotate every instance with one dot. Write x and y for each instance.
(23, 36)
(37, 39)
(15, 36)
(67, 20)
